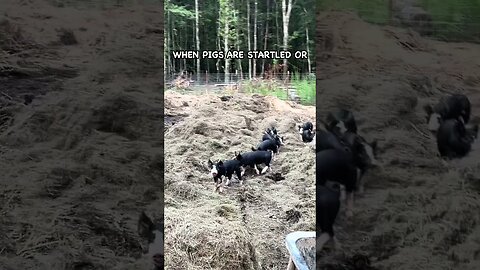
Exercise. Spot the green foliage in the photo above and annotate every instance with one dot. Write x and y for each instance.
(214, 15)
(306, 88)
(373, 11)
(266, 88)
(180, 11)
(454, 20)
(227, 16)
(95, 4)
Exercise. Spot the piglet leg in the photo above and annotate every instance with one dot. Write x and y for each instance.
(256, 169)
(322, 240)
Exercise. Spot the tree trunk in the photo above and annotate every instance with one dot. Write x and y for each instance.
(286, 10)
(166, 56)
(266, 36)
(172, 45)
(237, 43)
(308, 53)
(255, 39)
(197, 38)
(225, 44)
(276, 24)
(219, 48)
(248, 40)
(185, 46)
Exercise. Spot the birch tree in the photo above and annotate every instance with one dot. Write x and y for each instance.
(255, 26)
(227, 21)
(237, 42)
(308, 52)
(249, 39)
(266, 35)
(197, 38)
(286, 11)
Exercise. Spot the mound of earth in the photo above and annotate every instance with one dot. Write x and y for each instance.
(418, 212)
(244, 227)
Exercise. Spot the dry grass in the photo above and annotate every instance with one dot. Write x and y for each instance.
(84, 159)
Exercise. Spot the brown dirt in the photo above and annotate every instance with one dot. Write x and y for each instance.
(417, 212)
(245, 227)
(81, 161)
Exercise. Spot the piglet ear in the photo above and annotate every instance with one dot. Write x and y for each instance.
(374, 144)
(220, 162)
(210, 163)
(428, 109)
(145, 225)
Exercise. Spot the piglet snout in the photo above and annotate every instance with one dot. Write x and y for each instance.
(158, 260)
(375, 163)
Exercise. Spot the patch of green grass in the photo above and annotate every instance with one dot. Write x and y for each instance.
(306, 89)
(266, 88)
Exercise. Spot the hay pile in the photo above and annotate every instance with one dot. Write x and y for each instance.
(245, 227)
(82, 160)
(417, 212)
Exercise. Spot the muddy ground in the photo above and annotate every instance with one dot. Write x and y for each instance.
(245, 227)
(80, 162)
(417, 212)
